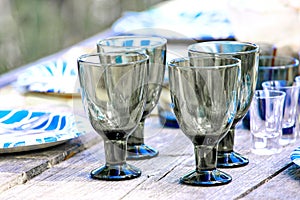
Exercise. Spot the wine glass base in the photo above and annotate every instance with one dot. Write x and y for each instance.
(231, 160)
(206, 178)
(139, 152)
(116, 172)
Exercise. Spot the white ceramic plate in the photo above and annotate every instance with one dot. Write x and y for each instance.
(295, 156)
(24, 130)
(57, 76)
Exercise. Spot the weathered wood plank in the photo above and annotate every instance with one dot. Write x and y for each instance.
(18, 168)
(76, 171)
(42, 174)
(259, 169)
(282, 186)
(160, 175)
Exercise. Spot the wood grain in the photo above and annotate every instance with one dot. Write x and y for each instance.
(62, 172)
(70, 179)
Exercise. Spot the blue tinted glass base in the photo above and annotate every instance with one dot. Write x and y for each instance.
(231, 160)
(139, 152)
(206, 178)
(168, 119)
(116, 172)
(246, 121)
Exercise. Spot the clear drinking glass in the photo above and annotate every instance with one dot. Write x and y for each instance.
(204, 92)
(248, 53)
(156, 49)
(274, 68)
(265, 49)
(266, 121)
(277, 68)
(114, 90)
(289, 132)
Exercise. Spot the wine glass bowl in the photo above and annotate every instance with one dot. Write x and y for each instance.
(248, 53)
(113, 91)
(274, 68)
(155, 48)
(204, 93)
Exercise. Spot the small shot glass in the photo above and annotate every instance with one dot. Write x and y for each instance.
(289, 121)
(266, 121)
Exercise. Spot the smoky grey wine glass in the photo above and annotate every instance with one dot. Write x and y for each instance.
(155, 48)
(248, 53)
(204, 93)
(113, 91)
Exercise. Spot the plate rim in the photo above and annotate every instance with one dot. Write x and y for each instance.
(69, 133)
(295, 152)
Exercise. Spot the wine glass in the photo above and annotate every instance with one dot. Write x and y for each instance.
(155, 48)
(248, 53)
(113, 91)
(204, 92)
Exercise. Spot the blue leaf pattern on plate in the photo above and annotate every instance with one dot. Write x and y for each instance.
(58, 76)
(295, 156)
(24, 128)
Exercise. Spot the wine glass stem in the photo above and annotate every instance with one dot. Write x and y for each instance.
(137, 137)
(227, 143)
(206, 157)
(115, 151)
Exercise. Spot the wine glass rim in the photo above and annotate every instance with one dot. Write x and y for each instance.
(294, 62)
(191, 47)
(266, 84)
(278, 92)
(82, 58)
(174, 62)
(161, 41)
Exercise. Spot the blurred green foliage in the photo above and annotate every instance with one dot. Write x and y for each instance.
(32, 29)
(37, 28)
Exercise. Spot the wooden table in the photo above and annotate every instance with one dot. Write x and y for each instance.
(62, 172)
